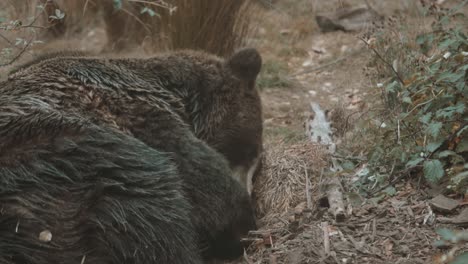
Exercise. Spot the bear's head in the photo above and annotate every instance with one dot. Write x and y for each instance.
(231, 119)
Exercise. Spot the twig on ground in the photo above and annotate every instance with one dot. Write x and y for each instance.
(326, 238)
(398, 132)
(251, 240)
(374, 229)
(307, 188)
(264, 232)
(271, 241)
(349, 158)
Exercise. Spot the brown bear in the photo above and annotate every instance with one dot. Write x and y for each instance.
(219, 101)
(75, 192)
(173, 102)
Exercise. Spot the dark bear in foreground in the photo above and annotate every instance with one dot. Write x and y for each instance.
(217, 98)
(74, 192)
(173, 103)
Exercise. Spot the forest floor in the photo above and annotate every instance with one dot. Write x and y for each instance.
(328, 69)
(301, 66)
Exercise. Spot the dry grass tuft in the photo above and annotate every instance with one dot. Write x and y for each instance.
(282, 185)
(217, 26)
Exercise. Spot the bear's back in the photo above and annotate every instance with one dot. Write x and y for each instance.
(72, 191)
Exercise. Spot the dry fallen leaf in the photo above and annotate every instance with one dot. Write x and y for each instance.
(388, 246)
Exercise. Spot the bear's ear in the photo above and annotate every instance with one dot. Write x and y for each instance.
(245, 64)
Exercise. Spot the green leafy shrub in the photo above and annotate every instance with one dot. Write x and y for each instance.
(424, 123)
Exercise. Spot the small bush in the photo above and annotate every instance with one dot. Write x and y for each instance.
(423, 126)
(21, 29)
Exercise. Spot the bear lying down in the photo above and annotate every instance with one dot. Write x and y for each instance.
(123, 160)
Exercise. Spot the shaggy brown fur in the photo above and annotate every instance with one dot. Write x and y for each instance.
(170, 102)
(217, 98)
(74, 192)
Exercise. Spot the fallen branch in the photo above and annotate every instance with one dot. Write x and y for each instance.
(335, 199)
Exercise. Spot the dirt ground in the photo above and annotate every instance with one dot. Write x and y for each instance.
(329, 69)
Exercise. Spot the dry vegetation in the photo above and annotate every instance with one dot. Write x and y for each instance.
(155, 25)
(393, 226)
(284, 183)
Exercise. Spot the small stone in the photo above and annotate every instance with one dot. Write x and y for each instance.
(344, 48)
(45, 236)
(347, 19)
(443, 204)
(307, 63)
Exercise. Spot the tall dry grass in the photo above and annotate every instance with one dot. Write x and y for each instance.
(218, 26)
